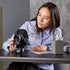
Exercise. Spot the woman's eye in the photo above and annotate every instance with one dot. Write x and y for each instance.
(46, 18)
(39, 15)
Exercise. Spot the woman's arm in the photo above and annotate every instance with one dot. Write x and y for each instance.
(40, 48)
(7, 45)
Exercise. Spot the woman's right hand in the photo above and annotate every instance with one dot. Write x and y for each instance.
(12, 46)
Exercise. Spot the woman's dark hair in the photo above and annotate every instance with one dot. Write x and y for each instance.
(55, 17)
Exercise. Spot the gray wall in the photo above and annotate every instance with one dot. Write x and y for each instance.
(64, 9)
(15, 13)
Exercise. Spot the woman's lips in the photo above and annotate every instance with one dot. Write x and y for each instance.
(40, 24)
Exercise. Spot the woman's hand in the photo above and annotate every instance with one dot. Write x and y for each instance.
(12, 46)
(40, 48)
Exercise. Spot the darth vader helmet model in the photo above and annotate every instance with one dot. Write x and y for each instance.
(21, 38)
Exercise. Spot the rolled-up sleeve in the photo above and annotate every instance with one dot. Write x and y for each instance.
(5, 45)
(58, 34)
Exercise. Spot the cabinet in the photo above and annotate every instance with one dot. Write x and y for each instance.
(1, 39)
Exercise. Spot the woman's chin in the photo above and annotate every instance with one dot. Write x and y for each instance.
(39, 26)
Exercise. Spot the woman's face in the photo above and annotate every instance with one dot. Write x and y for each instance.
(43, 18)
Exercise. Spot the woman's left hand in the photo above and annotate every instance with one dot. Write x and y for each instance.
(40, 48)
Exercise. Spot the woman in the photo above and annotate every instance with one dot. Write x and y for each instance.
(41, 31)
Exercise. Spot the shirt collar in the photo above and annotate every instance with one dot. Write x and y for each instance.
(47, 30)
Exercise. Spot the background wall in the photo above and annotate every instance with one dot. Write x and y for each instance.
(64, 9)
(15, 13)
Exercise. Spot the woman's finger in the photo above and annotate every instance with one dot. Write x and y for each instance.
(40, 48)
(12, 47)
(11, 39)
(36, 48)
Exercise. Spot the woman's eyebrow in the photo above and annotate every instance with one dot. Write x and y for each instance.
(39, 13)
(44, 15)
(47, 16)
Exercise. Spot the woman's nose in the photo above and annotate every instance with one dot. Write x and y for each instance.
(41, 19)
